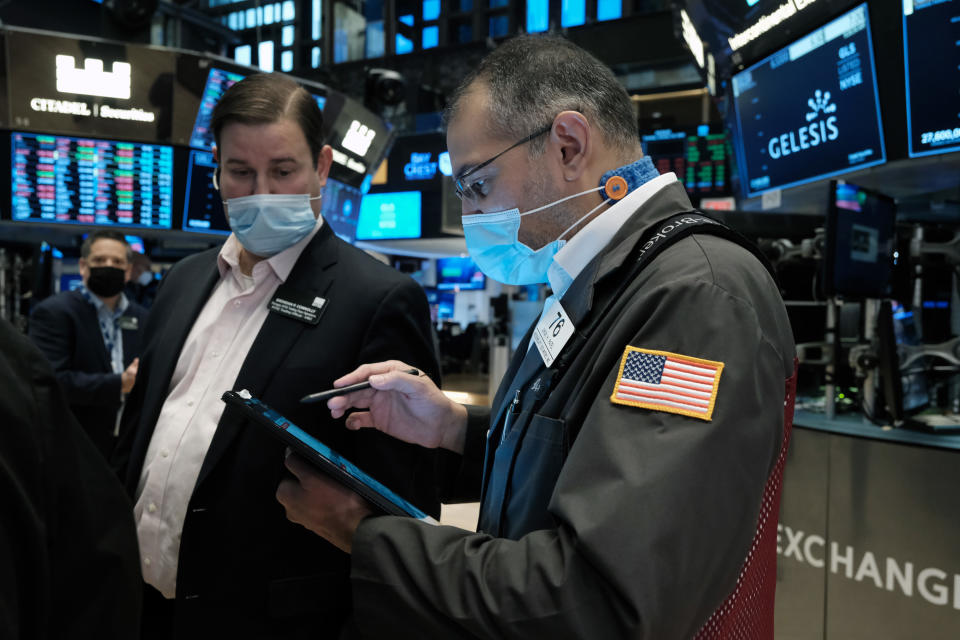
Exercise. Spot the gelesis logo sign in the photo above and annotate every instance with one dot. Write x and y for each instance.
(821, 128)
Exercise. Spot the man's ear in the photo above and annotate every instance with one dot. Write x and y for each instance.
(573, 137)
(324, 160)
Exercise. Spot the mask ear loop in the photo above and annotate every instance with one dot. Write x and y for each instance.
(556, 202)
(615, 188)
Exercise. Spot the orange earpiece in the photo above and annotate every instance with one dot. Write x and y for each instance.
(615, 188)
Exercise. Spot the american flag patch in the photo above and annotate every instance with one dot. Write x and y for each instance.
(667, 382)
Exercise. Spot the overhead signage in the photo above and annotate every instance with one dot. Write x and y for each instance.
(94, 88)
(810, 110)
(421, 167)
(358, 138)
(767, 22)
(694, 43)
(92, 80)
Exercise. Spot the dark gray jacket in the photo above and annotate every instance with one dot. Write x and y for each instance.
(639, 526)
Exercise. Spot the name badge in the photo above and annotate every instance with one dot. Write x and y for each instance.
(552, 333)
(128, 322)
(297, 305)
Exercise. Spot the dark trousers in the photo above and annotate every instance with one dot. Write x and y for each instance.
(158, 615)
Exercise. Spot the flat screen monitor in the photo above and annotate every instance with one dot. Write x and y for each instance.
(63, 179)
(667, 150)
(218, 81)
(70, 281)
(860, 241)
(202, 207)
(810, 110)
(341, 208)
(389, 215)
(459, 273)
(441, 303)
(931, 56)
(700, 159)
(136, 243)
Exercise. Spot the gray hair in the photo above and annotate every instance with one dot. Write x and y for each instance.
(533, 78)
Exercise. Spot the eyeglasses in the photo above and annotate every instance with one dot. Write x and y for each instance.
(475, 190)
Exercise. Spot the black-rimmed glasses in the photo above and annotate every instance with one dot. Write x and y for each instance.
(470, 190)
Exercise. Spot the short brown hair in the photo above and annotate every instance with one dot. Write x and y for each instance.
(104, 234)
(265, 98)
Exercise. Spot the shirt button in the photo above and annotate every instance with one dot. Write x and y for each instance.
(152, 507)
(146, 562)
(164, 453)
(214, 354)
(236, 303)
(189, 403)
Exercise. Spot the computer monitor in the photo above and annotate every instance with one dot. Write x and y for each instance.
(459, 273)
(202, 206)
(932, 68)
(811, 109)
(390, 215)
(218, 81)
(441, 303)
(341, 208)
(136, 243)
(903, 392)
(859, 243)
(63, 179)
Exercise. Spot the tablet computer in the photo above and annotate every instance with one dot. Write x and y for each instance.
(323, 457)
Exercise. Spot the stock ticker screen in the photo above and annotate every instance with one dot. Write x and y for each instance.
(83, 181)
(931, 56)
(218, 81)
(701, 160)
(202, 207)
(811, 109)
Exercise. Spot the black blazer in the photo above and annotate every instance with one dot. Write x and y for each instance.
(244, 569)
(69, 566)
(65, 328)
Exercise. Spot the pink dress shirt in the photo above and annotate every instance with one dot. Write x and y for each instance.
(208, 365)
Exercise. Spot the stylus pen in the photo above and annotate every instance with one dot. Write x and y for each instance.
(322, 396)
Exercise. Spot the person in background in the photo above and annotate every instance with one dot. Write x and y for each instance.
(91, 336)
(628, 471)
(69, 566)
(143, 283)
(281, 309)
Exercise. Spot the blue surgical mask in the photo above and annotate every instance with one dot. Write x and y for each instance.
(493, 243)
(267, 223)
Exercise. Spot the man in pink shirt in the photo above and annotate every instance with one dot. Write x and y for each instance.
(217, 554)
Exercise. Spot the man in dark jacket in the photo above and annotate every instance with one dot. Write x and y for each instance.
(628, 470)
(68, 550)
(91, 336)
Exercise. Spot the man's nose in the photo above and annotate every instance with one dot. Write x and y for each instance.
(261, 184)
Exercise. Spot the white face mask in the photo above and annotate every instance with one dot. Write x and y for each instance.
(493, 243)
(267, 223)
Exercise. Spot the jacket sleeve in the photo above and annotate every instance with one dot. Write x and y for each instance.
(67, 536)
(54, 334)
(400, 330)
(654, 511)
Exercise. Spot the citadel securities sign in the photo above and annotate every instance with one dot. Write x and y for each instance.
(89, 87)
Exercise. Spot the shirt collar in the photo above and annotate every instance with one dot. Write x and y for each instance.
(100, 306)
(589, 241)
(281, 264)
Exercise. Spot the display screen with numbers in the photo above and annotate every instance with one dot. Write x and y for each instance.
(62, 179)
(931, 56)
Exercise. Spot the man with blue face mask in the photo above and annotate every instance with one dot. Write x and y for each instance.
(281, 309)
(629, 468)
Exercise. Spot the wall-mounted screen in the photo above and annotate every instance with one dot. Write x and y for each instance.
(202, 207)
(84, 181)
(441, 303)
(810, 110)
(359, 138)
(700, 159)
(218, 81)
(459, 273)
(389, 215)
(931, 55)
(89, 87)
(859, 243)
(341, 208)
